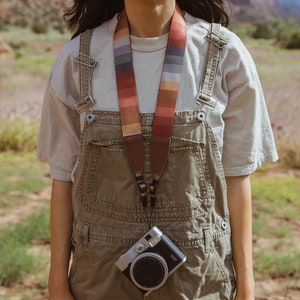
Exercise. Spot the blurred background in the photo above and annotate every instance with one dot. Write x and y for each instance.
(31, 35)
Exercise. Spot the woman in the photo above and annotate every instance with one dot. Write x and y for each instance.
(198, 194)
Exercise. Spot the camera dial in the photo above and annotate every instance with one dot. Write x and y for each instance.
(149, 271)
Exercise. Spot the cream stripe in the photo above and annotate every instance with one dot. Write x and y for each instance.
(131, 129)
(168, 86)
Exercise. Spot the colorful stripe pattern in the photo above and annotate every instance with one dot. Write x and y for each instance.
(170, 78)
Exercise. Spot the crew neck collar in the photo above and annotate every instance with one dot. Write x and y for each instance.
(149, 44)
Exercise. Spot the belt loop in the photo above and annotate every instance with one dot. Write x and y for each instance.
(85, 235)
(207, 239)
(76, 238)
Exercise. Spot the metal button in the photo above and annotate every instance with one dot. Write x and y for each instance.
(224, 225)
(201, 116)
(90, 118)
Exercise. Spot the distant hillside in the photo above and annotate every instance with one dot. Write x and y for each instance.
(289, 8)
(24, 12)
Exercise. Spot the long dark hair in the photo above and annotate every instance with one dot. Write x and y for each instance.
(87, 14)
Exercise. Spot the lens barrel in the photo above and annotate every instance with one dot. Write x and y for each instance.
(149, 271)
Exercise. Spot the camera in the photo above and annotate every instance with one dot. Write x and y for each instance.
(150, 261)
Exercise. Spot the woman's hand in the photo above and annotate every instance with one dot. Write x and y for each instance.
(58, 287)
(245, 295)
(66, 295)
(61, 296)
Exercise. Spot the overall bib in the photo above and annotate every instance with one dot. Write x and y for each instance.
(191, 210)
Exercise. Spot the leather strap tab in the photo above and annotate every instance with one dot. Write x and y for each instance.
(159, 152)
(135, 152)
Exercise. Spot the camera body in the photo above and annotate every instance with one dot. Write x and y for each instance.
(150, 261)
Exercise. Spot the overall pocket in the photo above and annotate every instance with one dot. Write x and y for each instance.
(110, 181)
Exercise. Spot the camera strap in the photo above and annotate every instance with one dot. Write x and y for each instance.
(165, 107)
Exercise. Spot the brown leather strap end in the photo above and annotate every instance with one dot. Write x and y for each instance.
(159, 152)
(135, 152)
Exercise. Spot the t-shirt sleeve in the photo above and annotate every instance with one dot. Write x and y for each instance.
(248, 136)
(58, 141)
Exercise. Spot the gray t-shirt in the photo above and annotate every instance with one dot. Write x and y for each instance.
(240, 120)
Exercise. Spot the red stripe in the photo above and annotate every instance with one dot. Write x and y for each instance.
(124, 75)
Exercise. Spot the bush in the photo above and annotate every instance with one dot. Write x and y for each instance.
(294, 41)
(263, 31)
(18, 135)
(2, 26)
(60, 27)
(39, 27)
(288, 35)
(289, 154)
(15, 262)
(15, 241)
(278, 265)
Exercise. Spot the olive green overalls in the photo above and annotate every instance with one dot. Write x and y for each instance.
(191, 208)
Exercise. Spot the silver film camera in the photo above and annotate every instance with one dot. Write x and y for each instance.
(150, 261)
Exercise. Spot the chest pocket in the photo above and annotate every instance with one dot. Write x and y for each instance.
(109, 186)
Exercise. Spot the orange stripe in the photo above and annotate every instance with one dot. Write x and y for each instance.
(166, 98)
(165, 112)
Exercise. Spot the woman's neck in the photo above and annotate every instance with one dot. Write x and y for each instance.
(149, 18)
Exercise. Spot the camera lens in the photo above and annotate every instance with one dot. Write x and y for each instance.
(149, 271)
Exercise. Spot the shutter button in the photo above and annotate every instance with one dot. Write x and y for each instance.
(139, 248)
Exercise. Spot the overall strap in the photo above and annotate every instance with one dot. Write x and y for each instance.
(215, 47)
(86, 67)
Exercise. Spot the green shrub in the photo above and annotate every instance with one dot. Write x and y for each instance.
(15, 262)
(39, 27)
(276, 193)
(36, 227)
(288, 35)
(278, 265)
(263, 31)
(15, 241)
(18, 45)
(294, 41)
(2, 25)
(60, 27)
(289, 154)
(18, 135)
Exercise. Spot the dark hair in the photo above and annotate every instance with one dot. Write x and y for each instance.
(87, 14)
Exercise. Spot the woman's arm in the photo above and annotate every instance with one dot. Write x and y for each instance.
(240, 208)
(61, 218)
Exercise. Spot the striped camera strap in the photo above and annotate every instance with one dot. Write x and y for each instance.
(165, 107)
